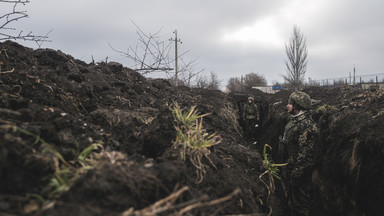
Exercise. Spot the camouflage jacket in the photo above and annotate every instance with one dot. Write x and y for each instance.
(300, 135)
(251, 111)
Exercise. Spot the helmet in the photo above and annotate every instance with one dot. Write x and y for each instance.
(251, 98)
(300, 98)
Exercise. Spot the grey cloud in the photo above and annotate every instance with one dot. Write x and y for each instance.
(344, 32)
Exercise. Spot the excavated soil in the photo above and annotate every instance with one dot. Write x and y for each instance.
(350, 156)
(69, 104)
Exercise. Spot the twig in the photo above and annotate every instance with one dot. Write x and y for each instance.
(213, 202)
(166, 204)
(5, 72)
(16, 15)
(156, 207)
(268, 188)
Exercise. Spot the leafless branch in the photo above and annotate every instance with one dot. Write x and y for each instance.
(40, 42)
(151, 55)
(211, 82)
(12, 16)
(187, 71)
(15, 1)
(6, 32)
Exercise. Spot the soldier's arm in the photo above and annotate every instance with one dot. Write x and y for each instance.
(305, 159)
(257, 111)
(244, 111)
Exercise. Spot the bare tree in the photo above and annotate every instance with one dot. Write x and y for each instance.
(187, 72)
(152, 55)
(236, 84)
(15, 14)
(212, 82)
(252, 79)
(296, 64)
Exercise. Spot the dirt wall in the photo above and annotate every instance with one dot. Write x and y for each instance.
(49, 100)
(349, 157)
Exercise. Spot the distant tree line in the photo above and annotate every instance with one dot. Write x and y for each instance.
(296, 67)
(243, 83)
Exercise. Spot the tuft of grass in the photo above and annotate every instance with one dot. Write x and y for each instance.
(271, 168)
(271, 171)
(192, 139)
(146, 121)
(66, 172)
(231, 115)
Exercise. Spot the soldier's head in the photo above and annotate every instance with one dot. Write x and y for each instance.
(298, 101)
(251, 99)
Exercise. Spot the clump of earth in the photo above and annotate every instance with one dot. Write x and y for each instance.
(53, 107)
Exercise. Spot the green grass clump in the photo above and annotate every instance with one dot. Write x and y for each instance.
(192, 139)
(272, 171)
(66, 172)
(271, 168)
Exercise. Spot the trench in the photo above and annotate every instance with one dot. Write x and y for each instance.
(349, 158)
(60, 99)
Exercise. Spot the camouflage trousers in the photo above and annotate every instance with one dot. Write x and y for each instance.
(249, 127)
(300, 199)
(298, 196)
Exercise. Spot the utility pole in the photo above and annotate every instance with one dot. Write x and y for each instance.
(354, 75)
(176, 57)
(350, 78)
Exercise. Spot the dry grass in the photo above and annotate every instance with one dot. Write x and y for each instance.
(192, 140)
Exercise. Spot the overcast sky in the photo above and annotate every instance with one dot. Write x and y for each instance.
(230, 38)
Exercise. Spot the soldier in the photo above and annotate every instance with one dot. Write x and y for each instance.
(300, 136)
(251, 116)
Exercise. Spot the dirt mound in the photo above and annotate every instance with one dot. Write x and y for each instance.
(53, 105)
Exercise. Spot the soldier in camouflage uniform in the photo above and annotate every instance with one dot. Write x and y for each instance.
(300, 136)
(251, 116)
